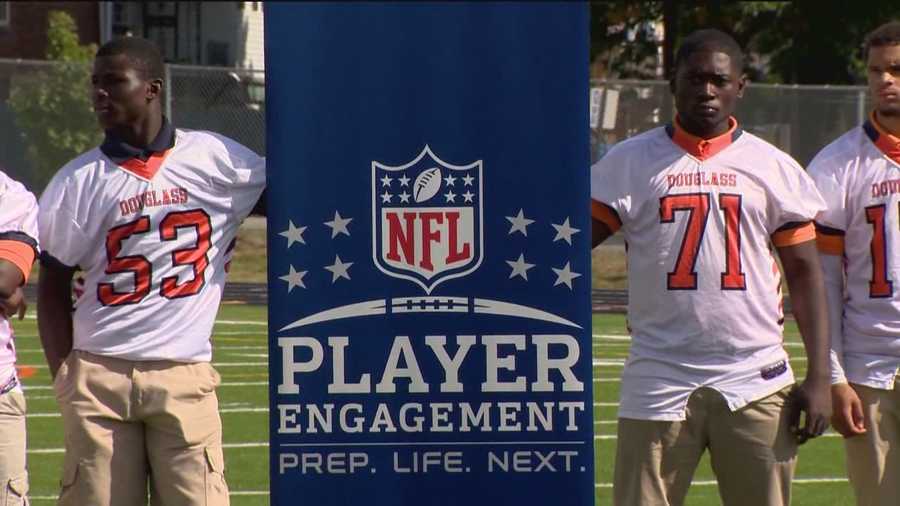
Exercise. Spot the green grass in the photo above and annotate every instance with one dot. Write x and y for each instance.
(243, 340)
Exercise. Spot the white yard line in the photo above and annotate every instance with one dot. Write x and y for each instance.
(255, 444)
(223, 384)
(796, 481)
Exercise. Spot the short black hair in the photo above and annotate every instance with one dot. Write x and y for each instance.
(143, 54)
(887, 34)
(710, 39)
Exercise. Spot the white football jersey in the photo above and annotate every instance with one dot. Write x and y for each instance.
(859, 176)
(152, 240)
(700, 218)
(18, 244)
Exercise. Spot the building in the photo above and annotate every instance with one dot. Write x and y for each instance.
(228, 34)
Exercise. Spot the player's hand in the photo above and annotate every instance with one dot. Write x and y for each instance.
(847, 412)
(14, 304)
(812, 399)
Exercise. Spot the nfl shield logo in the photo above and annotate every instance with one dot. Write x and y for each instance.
(427, 219)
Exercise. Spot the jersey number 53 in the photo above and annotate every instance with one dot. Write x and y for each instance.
(138, 265)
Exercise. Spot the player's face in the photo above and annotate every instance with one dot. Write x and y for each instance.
(706, 88)
(884, 79)
(120, 93)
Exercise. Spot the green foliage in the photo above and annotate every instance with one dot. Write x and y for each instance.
(800, 42)
(53, 105)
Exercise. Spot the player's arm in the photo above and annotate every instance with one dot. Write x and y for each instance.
(12, 300)
(16, 259)
(803, 273)
(55, 312)
(847, 413)
(260, 209)
(604, 222)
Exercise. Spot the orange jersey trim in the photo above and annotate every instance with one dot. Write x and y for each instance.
(144, 169)
(795, 235)
(703, 149)
(885, 142)
(830, 244)
(20, 254)
(606, 215)
(830, 241)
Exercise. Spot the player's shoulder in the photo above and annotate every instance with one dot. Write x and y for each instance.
(631, 150)
(761, 153)
(75, 173)
(212, 141)
(763, 149)
(12, 190)
(842, 152)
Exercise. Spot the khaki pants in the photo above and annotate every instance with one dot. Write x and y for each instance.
(127, 422)
(873, 458)
(752, 453)
(13, 476)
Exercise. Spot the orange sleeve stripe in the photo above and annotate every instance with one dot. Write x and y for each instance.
(606, 215)
(20, 254)
(830, 244)
(792, 236)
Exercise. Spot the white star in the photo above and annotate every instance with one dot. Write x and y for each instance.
(294, 279)
(565, 275)
(293, 234)
(467, 180)
(386, 181)
(404, 198)
(404, 181)
(450, 196)
(519, 267)
(565, 232)
(386, 197)
(468, 196)
(338, 269)
(450, 180)
(519, 222)
(338, 225)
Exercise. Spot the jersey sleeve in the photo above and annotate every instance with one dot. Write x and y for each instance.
(245, 174)
(18, 226)
(60, 231)
(831, 222)
(793, 204)
(610, 201)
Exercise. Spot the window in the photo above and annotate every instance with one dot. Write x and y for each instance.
(4, 13)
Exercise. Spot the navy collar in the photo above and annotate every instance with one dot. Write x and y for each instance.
(117, 149)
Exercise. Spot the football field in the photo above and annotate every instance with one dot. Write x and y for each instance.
(241, 358)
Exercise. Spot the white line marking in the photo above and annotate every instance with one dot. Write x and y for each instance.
(613, 436)
(224, 410)
(29, 388)
(708, 483)
(254, 444)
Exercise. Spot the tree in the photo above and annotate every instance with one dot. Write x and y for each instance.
(800, 42)
(52, 106)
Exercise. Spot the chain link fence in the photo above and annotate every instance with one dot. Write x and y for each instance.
(800, 120)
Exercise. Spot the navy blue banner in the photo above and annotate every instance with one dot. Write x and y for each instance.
(429, 269)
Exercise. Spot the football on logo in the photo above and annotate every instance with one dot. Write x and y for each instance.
(427, 184)
(427, 219)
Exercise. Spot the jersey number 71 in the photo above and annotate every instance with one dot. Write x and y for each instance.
(684, 277)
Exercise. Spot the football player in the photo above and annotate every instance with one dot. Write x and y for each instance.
(703, 206)
(859, 176)
(18, 249)
(148, 217)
